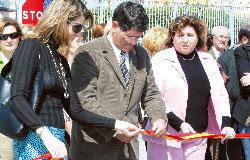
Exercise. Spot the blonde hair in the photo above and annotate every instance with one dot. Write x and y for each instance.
(27, 31)
(155, 39)
(54, 21)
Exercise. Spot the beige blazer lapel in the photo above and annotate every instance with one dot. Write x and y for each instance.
(111, 58)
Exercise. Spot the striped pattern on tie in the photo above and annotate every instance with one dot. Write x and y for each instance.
(124, 69)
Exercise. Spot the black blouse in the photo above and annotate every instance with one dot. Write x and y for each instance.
(26, 68)
(198, 95)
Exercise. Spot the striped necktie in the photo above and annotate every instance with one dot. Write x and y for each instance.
(124, 69)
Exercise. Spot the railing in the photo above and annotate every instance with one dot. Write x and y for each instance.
(161, 14)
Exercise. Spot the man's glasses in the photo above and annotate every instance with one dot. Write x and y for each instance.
(132, 38)
(13, 35)
(76, 27)
(222, 37)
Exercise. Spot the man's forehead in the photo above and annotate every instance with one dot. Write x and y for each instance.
(222, 31)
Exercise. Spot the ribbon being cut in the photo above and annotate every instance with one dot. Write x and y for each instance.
(190, 136)
(186, 136)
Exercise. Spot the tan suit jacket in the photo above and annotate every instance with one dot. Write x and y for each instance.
(101, 89)
(211, 51)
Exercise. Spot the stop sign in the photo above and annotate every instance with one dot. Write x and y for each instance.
(31, 12)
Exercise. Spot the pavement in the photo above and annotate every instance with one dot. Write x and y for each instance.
(142, 149)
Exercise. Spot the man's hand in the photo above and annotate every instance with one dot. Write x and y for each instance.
(129, 130)
(245, 80)
(186, 128)
(122, 137)
(160, 128)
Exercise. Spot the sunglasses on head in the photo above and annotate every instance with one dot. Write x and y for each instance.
(6, 36)
(76, 27)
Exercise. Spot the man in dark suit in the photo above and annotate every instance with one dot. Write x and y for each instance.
(113, 75)
(227, 62)
(242, 110)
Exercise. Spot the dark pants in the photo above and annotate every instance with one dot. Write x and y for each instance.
(232, 149)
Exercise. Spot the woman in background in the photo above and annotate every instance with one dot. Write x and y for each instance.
(98, 30)
(155, 40)
(10, 37)
(193, 90)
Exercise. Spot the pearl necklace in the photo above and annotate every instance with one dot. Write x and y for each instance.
(190, 59)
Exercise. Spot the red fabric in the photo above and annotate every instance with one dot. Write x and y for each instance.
(46, 155)
(189, 136)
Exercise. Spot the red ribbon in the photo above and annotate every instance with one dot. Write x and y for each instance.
(189, 136)
(186, 136)
(47, 155)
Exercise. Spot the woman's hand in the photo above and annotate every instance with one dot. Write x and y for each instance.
(128, 129)
(229, 132)
(245, 80)
(56, 147)
(186, 128)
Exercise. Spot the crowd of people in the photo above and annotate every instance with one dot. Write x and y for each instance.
(184, 79)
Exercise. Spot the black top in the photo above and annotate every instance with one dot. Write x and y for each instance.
(198, 91)
(24, 70)
(198, 94)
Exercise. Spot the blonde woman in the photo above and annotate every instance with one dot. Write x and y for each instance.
(155, 40)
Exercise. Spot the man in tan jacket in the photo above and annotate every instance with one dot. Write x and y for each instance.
(113, 75)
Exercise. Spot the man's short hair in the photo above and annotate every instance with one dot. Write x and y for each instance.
(131, 14)
(218, 28)
(244, 31)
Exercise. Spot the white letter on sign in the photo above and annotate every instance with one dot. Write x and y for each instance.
(25, 15)
(39, 15)
(32, 14)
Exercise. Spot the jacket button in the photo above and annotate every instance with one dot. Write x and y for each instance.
(125, 95)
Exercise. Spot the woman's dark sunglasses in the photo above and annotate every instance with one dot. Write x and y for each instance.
(11, 35)
(76, 27)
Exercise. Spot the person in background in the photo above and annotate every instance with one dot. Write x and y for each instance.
(10, 37)
(155, 40)
(27, 31)
(220, 41)
(209, 41)
(98, 30)
(204, 48)
(47, 128)
(193, 91)
(233, 148)
(242, 109)
(113, 75)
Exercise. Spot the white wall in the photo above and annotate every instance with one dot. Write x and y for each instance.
(11, 5)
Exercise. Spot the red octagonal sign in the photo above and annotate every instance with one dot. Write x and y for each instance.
(32, 11)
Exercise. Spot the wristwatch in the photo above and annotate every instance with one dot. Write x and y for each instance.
(40, 130)
(114, 135)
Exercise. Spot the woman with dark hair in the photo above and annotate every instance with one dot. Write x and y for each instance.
(10, 37)
(193, 90)
(57, 28)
